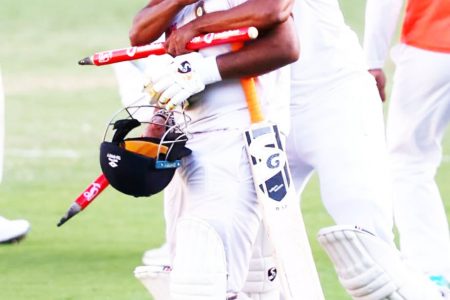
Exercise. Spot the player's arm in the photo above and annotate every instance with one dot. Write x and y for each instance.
(154, 19)
(277, 47)
(190, 73)
(380, 23)
(261, 14)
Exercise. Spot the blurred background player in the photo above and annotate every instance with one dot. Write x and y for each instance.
(337, 130)
(10, 230)
(419, 112)
(220, 202)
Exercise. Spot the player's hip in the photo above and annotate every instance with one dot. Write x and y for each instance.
(421, 67)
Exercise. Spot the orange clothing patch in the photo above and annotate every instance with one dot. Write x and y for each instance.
(427, 25)
(145, 148)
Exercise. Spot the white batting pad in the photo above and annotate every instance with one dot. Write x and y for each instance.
(199, 266)
(155, 279)
(269, 295)
(370, 269)
(158, 256)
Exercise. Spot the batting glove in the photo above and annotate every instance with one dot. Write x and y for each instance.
(156, 67)
(189, 75)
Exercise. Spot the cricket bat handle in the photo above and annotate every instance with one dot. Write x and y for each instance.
(251, 95)
(131, 53)
(85, 198)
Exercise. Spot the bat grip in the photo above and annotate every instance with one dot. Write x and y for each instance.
(251, 95)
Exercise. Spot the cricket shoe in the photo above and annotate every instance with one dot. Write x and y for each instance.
(159, 256)
(443, 285)
(13, 230)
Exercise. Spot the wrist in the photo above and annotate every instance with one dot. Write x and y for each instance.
(208, 70)
(192, 29)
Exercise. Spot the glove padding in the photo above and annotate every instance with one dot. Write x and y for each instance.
(156, 67)
(188, 75)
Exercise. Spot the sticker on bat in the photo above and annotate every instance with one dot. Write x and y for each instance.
(270, 169)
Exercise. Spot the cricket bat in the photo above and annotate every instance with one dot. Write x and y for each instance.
(282, 217)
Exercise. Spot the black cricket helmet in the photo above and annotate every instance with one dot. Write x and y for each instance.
(142, 147)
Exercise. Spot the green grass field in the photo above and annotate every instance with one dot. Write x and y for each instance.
(56, 112)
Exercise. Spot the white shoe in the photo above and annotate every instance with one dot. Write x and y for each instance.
(13, 230)
(443, 285)
(159, 256)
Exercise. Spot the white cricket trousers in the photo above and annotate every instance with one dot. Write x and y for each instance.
(215, 184)
(418, 114)
(337, 129)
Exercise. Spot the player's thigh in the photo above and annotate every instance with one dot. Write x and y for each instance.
(340, 133)
(217, 176)
(174, 194)
(347, 149)
(419, 109)
(301, 169)
(350, 143)
(220, 191)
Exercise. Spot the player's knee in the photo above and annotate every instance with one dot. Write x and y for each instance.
(199, 266)
(370, 269)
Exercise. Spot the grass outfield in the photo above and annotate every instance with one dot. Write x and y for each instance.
(56, 112)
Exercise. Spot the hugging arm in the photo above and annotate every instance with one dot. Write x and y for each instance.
(278, 47)
(154, 19)
(262, 14)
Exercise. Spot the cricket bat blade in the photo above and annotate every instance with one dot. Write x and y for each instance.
(281, 213)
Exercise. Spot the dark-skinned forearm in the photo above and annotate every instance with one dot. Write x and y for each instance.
(153, 20)
(277, 48)
(262, 14)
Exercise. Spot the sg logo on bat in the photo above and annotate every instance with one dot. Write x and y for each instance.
(270, 168)
(273, 161)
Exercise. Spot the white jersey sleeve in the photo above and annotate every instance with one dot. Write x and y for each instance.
(380, 23)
